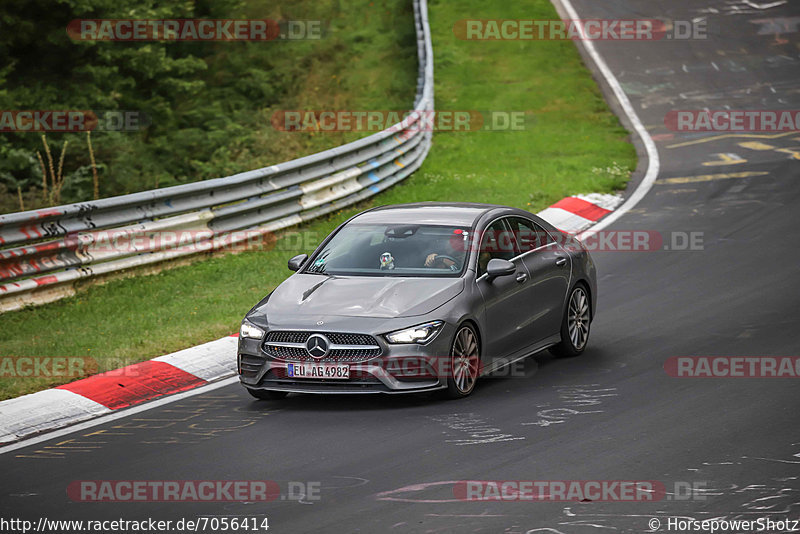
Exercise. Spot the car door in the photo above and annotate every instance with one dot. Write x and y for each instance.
(549, 268)
(508, 325)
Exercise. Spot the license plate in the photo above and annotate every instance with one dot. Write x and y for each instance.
(318, 370)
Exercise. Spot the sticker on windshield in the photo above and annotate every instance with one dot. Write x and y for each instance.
(387, 261)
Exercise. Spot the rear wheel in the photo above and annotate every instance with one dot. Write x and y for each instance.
(263, 394)
(575, 324)
(464, 363)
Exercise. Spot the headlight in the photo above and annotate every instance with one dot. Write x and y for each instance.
(416, 334)
(250, 330)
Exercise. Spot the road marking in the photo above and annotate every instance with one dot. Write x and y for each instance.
(113, 416)
(571, 397)
(725, 159)
(728, 136)
(676, 191)
(764, 6)
(794, 152)
(756, 145)
(664, 137)
(392, 495)
(478, 431)
(710, 177)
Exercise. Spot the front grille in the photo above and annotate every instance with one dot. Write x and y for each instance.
(299, 354)
(288, 336)
(339, 338)
(288, 353)
(351, 339)
(353, 355)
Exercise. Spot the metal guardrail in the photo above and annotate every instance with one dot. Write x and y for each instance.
(51, 248)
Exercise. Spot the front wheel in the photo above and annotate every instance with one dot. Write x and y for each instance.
(263, 394)
(464, 363)
(575, 324)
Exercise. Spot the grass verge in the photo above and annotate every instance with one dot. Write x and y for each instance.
(572, 144)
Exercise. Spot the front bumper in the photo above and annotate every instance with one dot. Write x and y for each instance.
(409, 368)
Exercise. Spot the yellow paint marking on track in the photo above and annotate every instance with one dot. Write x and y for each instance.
(76, 442)
(678, 191)
(725, 159)
(399, 164)
(729, 136)
(756, 145)
(96, 433)
(710, 177)
(83, 448)
(794, 151)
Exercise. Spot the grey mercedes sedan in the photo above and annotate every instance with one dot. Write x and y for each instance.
(419, 297)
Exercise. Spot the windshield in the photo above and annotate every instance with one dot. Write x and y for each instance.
(394, 250)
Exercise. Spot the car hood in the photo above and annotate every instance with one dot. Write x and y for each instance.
(360, 296)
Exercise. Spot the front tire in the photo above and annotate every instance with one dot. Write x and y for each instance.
(465, 357)
(575, 324)
(262, 394)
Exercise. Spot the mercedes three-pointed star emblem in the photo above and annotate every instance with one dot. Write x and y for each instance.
(317, 346)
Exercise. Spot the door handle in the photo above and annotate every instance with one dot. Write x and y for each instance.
(521, 277)
(561, 262)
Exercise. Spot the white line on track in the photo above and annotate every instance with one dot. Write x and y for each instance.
(653, 162)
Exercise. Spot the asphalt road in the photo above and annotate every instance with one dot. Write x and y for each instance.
(385, 464)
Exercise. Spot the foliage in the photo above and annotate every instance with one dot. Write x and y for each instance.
(208, 103)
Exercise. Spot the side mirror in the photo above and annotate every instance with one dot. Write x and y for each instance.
(297, 262)
(498, 267)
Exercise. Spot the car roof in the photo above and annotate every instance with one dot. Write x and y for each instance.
(450, 213)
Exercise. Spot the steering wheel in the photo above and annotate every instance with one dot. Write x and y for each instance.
(440, 257)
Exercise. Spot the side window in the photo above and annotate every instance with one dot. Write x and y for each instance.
(497, 242)
(530, 235)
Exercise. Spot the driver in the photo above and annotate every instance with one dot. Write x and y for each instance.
(450, 258)
(433, 257)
